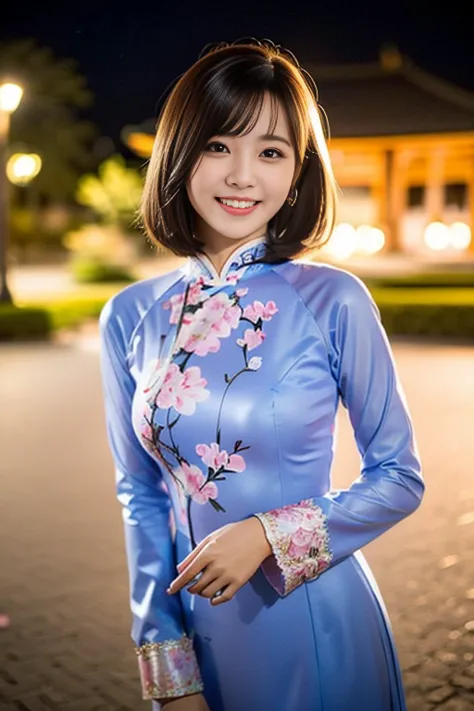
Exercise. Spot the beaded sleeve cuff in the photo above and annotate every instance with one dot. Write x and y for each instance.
(299, 539)
(168, 669)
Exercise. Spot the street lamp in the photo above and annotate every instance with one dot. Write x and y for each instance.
(10, 97)
(21, 168)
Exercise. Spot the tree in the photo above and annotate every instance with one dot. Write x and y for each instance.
(114, 194)
(47, 121)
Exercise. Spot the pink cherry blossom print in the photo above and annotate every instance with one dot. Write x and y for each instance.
(236, 463)
(216, 458)
(233, 277)
(257, 310)
(202, 330)
(242, 292)
(212, 456)
(195, 484)
(182, 390)
(171, 384)
(191, 391)
(174, 303)
(252, 339)
(195, 291)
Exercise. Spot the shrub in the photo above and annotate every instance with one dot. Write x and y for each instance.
(424, 280)
(18, 323)
(89, 271)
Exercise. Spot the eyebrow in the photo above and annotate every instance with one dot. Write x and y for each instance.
(267, 137)
(274, 137)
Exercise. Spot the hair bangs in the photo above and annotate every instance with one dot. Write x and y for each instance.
(244, 113)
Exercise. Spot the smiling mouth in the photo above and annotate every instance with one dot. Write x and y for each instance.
(255, 202)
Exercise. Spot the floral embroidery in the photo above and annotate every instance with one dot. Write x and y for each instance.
(195, 483)
(175, 303)
(299, 539)
(203, 320)
(215, 319)
(168, 669)
(180, 390)
(257, 311)
(251, 339)
(218, 460)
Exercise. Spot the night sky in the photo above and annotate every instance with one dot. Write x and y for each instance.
(130, 57)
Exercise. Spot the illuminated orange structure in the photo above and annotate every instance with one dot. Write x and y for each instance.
(402, 146)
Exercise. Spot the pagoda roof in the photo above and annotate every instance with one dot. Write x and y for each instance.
(386, 98)
(393, 97)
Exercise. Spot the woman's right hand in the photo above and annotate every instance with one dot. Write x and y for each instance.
(194, 702)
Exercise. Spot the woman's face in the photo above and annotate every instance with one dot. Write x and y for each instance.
(249, 167)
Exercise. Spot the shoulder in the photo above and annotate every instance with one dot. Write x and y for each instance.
(325, 285)
(125, 309)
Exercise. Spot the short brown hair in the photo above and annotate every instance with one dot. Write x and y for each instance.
(222, 94)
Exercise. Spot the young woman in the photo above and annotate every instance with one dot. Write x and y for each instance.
(222, 380)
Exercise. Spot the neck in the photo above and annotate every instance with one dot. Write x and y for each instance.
(219, 256)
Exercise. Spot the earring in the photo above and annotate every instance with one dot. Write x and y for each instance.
(291, 201)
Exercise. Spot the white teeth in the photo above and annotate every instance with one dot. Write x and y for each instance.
(237, 203)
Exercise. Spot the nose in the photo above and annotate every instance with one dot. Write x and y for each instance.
(241, 171)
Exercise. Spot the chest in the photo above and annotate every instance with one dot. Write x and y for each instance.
(222, 365)
(229, 386)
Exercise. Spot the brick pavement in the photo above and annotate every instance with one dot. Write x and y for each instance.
(63, 577)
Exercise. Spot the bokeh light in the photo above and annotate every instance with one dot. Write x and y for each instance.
(437, 236)
(10, 96)
(23, 167)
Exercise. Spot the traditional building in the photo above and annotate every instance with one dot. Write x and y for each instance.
(402, 146)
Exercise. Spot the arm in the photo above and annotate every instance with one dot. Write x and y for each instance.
(166, 659)
(311, 535)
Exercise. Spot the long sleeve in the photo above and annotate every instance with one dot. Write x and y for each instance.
(167, 662)
(311, 535)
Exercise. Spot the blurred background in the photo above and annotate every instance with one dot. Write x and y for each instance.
(80, 89)
(80, 93)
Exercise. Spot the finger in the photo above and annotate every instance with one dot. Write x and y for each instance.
(214, 587)
(227, 595)
(206, 579)
(191, 556)
(187, 575)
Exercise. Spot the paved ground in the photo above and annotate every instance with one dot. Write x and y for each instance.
(63, 575)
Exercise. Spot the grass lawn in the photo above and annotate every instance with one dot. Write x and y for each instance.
(427, 295)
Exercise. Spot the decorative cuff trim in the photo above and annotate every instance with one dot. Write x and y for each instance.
(168, 669)
(298, 536)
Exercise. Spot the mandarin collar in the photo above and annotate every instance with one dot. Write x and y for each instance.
(236, 264)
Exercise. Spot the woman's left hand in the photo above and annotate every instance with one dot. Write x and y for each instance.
(228, 558)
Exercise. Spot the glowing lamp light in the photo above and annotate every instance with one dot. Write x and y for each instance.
(437, 236)
(23, 167)
(376, 240)
(343, 242)
(10, 97)
(460, 235)
(370, 239)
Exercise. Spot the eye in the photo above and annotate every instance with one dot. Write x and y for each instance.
(214, 143)
(267, 150)
(273, 150)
